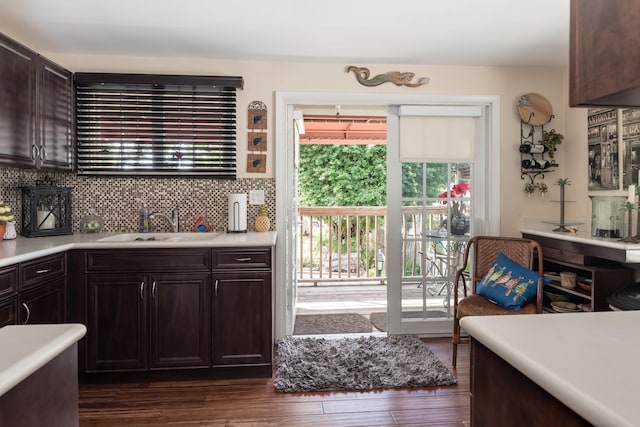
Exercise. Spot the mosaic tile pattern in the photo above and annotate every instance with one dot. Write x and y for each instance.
(118, 199)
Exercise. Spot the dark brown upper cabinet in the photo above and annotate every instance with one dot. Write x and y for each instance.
(36, 110)
(604, 62)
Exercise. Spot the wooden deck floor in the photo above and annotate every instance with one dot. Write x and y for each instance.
(360, 299)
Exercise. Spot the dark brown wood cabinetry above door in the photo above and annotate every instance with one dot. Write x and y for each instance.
(36, 110)
(604, 58)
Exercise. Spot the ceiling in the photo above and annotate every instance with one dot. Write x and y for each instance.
(432, 32)
(511, 33)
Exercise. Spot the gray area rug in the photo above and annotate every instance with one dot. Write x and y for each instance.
(346, 323)
(363, 363)
(379, 320)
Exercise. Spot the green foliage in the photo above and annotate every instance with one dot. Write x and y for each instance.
(435, 176)
(343, 175)
(355, 175)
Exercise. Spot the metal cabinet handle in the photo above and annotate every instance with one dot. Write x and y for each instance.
(142, 290)
(153, 289)
(43, 271)
(215, 288)
(43, 153)
(243, 259)
(26, 307)
(34, 152)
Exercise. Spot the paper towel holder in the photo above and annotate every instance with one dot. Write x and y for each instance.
(237, 221)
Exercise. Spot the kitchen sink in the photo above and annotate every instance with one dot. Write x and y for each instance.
(159, 237)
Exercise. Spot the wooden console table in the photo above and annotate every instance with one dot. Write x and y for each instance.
(597, 261)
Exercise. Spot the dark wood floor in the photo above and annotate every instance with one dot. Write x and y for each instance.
(253, 402)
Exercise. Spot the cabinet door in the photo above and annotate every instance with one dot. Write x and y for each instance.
(17, 103)
(242, 318)
(9, 312)
(45, 304)
(117, 327)
(180, 320)
(55, 114)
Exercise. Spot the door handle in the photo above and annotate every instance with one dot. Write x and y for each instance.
(215, 288)
(142, 290)
(153, 290)
(26, 307)
(46, 270)
(243, 259)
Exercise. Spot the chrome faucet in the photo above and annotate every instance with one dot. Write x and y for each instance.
(174, 220)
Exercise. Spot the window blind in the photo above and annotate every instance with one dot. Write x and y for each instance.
(139, 124)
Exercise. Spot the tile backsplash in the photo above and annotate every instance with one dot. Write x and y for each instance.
(118, 199)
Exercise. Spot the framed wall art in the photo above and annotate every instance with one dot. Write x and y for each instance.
(257, 141)
(257, 115)
(257, 137)
(603, 149)
(257, 163)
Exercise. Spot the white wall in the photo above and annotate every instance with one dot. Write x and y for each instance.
(262, 79)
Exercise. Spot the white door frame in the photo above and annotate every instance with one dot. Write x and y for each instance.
(284, 166)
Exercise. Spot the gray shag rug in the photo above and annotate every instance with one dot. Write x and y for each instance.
(363, 363)
(348, 323)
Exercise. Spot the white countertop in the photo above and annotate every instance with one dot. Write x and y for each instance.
(588, 361)
(27, 348)
(25, 248)
(584, 236)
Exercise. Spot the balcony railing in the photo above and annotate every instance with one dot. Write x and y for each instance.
(347, 244)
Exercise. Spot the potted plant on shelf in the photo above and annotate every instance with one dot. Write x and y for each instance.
(6, 216)
(551, 139)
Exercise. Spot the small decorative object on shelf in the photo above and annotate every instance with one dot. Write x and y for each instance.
(46, 209)
(6, 217)
(629, 207)
(562, 182)
(262, 221)
(91, 223)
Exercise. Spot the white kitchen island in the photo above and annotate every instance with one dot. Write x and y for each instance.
(561, 369)
(39, 375)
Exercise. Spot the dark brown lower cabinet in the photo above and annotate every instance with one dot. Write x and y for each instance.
(148, 321)
(180, 321)
(198, 309)
(9, 312)
(44, 304)
(117, 338)
(242, 318)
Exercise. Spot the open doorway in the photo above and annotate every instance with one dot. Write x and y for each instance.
(341, 214)
(287, 226)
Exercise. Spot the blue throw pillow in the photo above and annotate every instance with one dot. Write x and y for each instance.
(508, 284)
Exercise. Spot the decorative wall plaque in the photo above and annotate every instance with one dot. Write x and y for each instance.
(396, 77)
(257, 141)
(257, 163)
(257, 115)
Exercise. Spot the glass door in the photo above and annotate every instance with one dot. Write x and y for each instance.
(439, 173)
(436, 224)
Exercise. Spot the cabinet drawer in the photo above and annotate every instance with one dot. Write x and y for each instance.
(564, 256)
(241, 258)
(42, 270)
(165, 260)
(8, 281)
